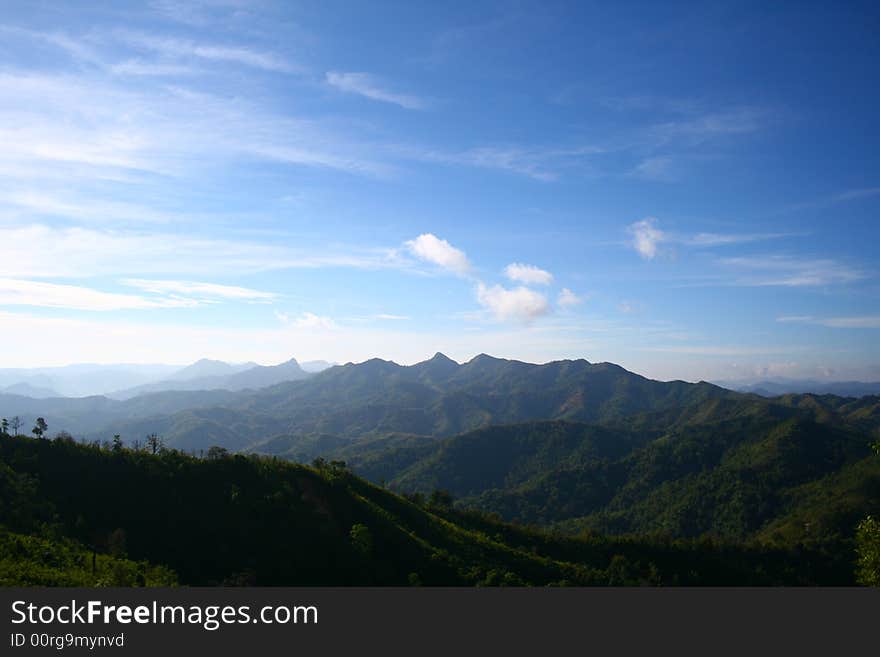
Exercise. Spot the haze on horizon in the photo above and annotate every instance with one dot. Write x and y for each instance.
(687, 191)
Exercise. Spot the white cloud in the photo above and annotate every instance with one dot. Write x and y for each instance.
(544, 164)
(722, 350)
(17, 292)
(368, 86)
(855, 322)
(83, 252)
(81, 126)
(46, 204)
(789, 271)
(869, 321)
(430, 248)
(713, 124)
(528, 274)
(646, 237)
(197, 289)
(567, 298)
(724, 239)
(656, 168)
(519, 303)
(137, 67)
(795, 318)
(391, 318)
(853, 194)
(308, 321)
(224, 54)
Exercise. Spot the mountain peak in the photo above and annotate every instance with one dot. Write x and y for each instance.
(484, 358)
(440, 357)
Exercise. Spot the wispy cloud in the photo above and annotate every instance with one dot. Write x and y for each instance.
(391, 318)
(18, 292)
(647, 238)
(724, 239)
(364, 84)
(712, 124)
(854, 322)
(722, 350)
(82, 252)
(199, 290)
(90, 211)
(216, 53)
(90, 127)
(139, 67)
(790, 271)
(659, 168)
(853, 194)
(538, 163)
(308, 321)
(567, 298)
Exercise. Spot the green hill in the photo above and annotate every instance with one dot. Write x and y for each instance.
(256, 520)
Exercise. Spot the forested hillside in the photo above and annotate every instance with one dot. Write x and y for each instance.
(252, 520)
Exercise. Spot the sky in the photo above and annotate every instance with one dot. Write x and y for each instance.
(687, 189)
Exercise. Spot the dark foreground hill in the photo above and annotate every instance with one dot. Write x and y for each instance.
(253, 520)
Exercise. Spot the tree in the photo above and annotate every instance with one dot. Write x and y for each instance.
(117, 443)
(16, 425)
(64, 437)
(361, 539)
(40, 428)
(154, 443)
(440, 498)
(4, 426)
(868, 550)
(216, 452)
(868, 546)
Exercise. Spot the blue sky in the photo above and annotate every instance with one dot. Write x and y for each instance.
(687, 189)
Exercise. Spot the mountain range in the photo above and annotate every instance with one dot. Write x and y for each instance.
(775, 388)
(584, 449)
(126, 381)
(217, 375)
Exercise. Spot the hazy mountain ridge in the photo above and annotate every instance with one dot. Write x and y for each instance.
(217, 375)
(780, 387)
(438, 398)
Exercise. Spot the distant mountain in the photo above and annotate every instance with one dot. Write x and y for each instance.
(437, 397)
(315, 366)
(225, 377)
(28, 390)
(86, 379)
(206, 367)
(784, 387)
